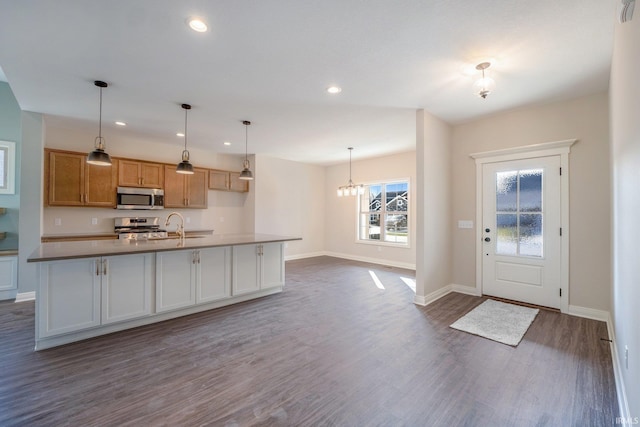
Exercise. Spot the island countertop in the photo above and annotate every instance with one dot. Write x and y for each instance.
(55, 251)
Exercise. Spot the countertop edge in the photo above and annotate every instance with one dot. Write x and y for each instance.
(153, 247)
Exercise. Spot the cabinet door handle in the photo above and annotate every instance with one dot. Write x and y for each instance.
(193, 257)
(97, 262)
(104, 267)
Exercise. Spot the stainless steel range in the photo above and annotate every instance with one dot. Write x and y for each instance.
(139, 228)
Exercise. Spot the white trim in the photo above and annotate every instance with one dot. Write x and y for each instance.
(26, 296)
(387, 262)
(524, 152)
(557, 148)
(621, 391)
(10, 165)
(467, 290)
(302, 256)
(588, 313)
(433, 296)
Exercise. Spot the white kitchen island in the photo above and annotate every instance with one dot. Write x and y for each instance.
(92, 288)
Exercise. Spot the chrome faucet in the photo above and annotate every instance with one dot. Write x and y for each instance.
(180, 229)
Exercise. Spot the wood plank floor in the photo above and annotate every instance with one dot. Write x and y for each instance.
(332, 350)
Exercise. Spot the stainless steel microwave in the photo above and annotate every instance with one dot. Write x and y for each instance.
(140, 198)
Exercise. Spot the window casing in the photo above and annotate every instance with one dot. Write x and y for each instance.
(383, 213)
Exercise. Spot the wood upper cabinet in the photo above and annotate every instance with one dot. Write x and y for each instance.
(185, 191)
(132, 173)
(74, 182)
(227, 181)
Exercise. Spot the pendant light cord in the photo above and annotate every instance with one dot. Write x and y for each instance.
(185, 128)
(100, 118)
(246, 141)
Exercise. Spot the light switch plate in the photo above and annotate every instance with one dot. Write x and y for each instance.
(465, 224)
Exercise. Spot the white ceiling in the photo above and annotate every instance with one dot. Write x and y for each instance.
(271, 61)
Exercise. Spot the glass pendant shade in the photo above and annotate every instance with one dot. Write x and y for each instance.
(185, 167)
(246, 174)
(98, 156)
(485, 85)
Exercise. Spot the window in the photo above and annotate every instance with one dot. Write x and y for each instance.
(383, 213)
(7, 167)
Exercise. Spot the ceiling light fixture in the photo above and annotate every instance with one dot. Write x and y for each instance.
(246, 173)
(227, 143)
(98, 156)
(185, 167)
(485, 85)
(121, 123)
(350, 189)
(334, 89)
(197, 24)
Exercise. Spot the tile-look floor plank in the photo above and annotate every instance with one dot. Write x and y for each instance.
(332, 349)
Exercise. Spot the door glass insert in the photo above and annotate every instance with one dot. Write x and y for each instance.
(519, 213)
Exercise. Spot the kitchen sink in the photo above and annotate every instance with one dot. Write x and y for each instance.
(175, 237)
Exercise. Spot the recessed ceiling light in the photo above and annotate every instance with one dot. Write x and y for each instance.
(334, 89)
(197, 24)
(180, 134)
(226, 143)
(121, 123)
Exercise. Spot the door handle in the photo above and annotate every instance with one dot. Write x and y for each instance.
(487, 239)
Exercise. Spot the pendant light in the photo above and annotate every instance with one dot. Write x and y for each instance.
(485, 85)
(185, 167)
(98, 156)
(350, 189)
(246, 173)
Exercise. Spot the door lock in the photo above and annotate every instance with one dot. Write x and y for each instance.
(487, 239)
(487, 230)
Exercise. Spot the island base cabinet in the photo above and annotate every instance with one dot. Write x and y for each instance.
(69, 296)
(126, 287)
(175, 280)
(213, 274)
(257, 267)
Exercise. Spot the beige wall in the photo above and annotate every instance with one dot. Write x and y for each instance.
(433, 242)
(625, 157)
(341, 215)
(290, 201)
(585, 119)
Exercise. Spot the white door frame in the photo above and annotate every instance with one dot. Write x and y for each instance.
(561, 148)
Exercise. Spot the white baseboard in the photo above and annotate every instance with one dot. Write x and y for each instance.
(588, 313)
(467, 290)
(433, 296)
(26, 296)
(302, 256)
(621, 391)
(386, 262)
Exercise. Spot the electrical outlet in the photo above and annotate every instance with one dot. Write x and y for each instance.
(57, 222)
(626, 357)
(187, 220)
(465, 224)
(94, 221)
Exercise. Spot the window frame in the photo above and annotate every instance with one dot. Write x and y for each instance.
(9, 167)
(383, 212)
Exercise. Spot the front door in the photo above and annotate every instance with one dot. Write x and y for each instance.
(521, 219)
